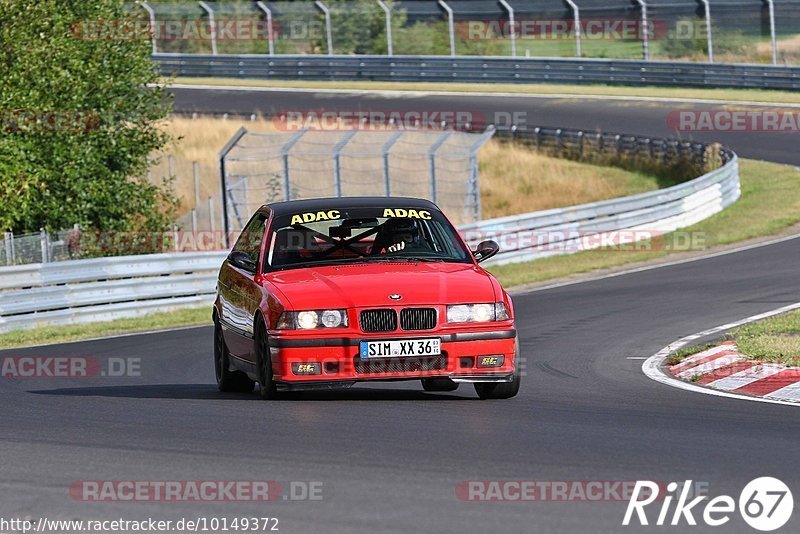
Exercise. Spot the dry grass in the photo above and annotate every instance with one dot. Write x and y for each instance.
(513, 179)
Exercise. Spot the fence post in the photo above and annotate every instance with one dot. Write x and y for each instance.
(709, 33)
(194, 221)
(212, 26)
(287, 192)
(473, 184)
(337, 166)
(645, 30)
(772, 31)
(387, 146)
(270, 35)
(171, 164)
(44, 245)
(512, 27)
(577, 26)
(196, 174)
(328, 31)
(153, 25)
(211, 224)
(223, 179)
(450, 26)
(580, 144)
(432, 161)
(388, 13)
(8, 241)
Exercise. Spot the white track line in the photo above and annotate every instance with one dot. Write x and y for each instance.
(422, 93)
(652, 366)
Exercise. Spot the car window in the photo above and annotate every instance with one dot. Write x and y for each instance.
(361, 235)
(251, 237)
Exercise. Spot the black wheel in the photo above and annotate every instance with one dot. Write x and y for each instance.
(227, 380)
(503, 390)
(267, 388)
(438, 384)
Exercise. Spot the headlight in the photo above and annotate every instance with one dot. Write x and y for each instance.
(477, 313)
(308, 320)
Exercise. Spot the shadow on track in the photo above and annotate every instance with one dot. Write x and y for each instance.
(209, 392)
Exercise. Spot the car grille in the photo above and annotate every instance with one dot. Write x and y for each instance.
(418, 318)
(379, 320)
(374, 366)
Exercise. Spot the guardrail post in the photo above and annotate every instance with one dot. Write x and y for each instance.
(337, 165)
(709, 34)
(537, 136)
(580, 144)
(772, 31)
(328, 32)
(645, 30)
(212, 26)
(512, 27)
(618, 144)
(8, 240)
(270, 34)
(432, 161)
(450, 26)
(388, 13)
(577, 26)
(285, 149)
(153, 27)
(387, 146)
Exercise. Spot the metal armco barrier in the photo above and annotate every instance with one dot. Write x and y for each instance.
(481, 69)
(102, 289)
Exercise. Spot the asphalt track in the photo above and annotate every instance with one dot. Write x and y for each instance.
(389, 457)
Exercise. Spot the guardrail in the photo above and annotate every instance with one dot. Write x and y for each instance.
(482, 69)
(102, 289)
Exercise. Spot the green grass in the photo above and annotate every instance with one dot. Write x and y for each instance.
(61, 334)
(733, 95)
(775, 340)
(770, 202)
(681, 354)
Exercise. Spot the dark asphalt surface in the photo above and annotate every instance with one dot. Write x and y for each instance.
(389, 457)
(630, 117)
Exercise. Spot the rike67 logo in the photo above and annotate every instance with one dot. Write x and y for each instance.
(766, 504)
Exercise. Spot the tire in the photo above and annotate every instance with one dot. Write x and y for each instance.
(438, 384)
(502, 390)
(227, 380)
(267, 388)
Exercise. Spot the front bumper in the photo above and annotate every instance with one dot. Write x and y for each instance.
(326, 362)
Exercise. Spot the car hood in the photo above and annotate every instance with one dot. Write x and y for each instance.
(363, 285)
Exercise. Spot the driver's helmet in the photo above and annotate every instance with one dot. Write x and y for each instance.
(402, 230)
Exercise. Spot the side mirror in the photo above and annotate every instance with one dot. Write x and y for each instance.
(486, 250)
(242, 260)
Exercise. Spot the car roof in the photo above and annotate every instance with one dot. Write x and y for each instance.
(322, 204)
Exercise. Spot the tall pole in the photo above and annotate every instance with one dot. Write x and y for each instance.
(773, 32)
(451, 27)
(512, 27)
(577, 25)
(645, 30)
(212, 23)
(709, 33)
(270, 35)
(388, 13)
(153, 28)
(328, 31)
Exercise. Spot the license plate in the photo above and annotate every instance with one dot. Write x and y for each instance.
(400, 348)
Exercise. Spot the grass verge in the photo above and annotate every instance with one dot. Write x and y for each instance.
(770, 203)
(728, 95)
(774, 340)
(61, 334)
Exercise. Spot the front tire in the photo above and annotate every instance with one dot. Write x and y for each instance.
(503, 390)
(267, 388)
(227, 380)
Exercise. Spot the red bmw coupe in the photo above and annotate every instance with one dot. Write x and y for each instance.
(325, 293)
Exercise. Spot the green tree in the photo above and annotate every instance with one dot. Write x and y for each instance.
(77, 120)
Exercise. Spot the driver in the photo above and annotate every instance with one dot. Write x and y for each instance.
(403, 235)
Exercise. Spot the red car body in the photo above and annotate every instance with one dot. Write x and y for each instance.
(252, 298)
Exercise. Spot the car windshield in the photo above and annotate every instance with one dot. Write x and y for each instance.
(361, 235)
